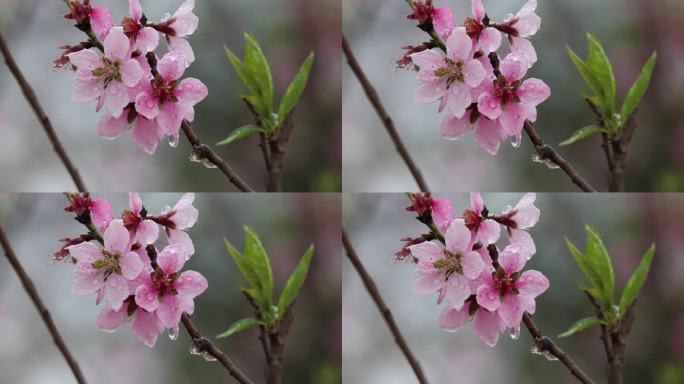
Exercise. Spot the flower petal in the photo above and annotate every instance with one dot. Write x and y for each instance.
(488, 232)
(110, 320)
(524, 47)
(532, 283)
(87, 283)
(442, 212)
(115, 290)
(512, 118)
(100, 213)
(116, 237)
(131, 266)
(488, 297)
(443, 21)
(459, 45)
(147, 40)
(172, 258)
(181, 238)
(487, 325)
(457, 237)
(146, 134)
(146, 327)
(191, 91)
(489, 134)
(526, 213)
(457, 290)
(427, 252)
(534, 92)
(514, 66)
(85, 252)
(513, 258)
(472, 265)
(147, 298)
(171, 66)
(191, 284)
(170, 118)
(131, 73)
(452, 127)
(169, 311)
(101, 20)
(116, 44)
(112, 127)
(85, 60)
(473, 73)
(489, 105)
(451, 320)
(147, 232)
(116, 98)
(490, 40)
(523, 239)
(181, 46)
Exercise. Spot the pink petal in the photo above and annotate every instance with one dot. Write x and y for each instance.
(523, 239)
(135, 10)
(85, 252)
(186, 22)
(171, 66)
(85, 60)
(430, 91)
(451, 320)
(477, 202)
(185, 215)
(111, 127)
(457, 290)
(116, 44)
(131, 73)
(512, 309)
(146, 327)
(532, 283)
(524, 47)
(115, 290)
(428, 252)
(181, 46)
(147, 40)
(442, 212)
(457, 237)
(473, 73)
(458, 99)
(131, 266)
(513, 258)
(169, 311)
(488, 297)
(147, 232)
(534, 92)
(190, 284)
(147, 298)
(183, 239)
(489, 105)
(135, 202)
(512, 118)
(147, 105)
(528, 21)
(146, 134)
(116, 98)
(88, 90)
(477, 9)
(172, 258)
(87, 283)
(488, 232)
(459, 45)
(443, 21)
(101, 20)
(487, 325)
(514, 66)
(170, 118)
(428, 283)
(116, 237)
(100, 213)
(452, 127)
(527, 214)
(489, 134)
(472, 265)
(490, 40)
(191, 91)
(428, 60)
(110, 320)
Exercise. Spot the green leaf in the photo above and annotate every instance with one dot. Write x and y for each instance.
(245, 75)
(240, 133)
(584, 265)
(598, 257)
(244, 267)
(600, 66)
(240, 326)
(636, 282)
(581, 325)
(257, 257)
(257, 65)
(295, 281)
(582, 134)
(589, 77)
(638, 89)
(294, 91)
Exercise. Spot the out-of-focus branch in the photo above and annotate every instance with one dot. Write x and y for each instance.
(31, 290)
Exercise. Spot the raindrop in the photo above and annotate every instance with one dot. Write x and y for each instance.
(173, 141)
(514, 333)
(112, 282)
(173, 333)
(516, 141)
(150, 296)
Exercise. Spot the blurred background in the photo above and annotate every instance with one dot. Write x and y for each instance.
(287, 30)
(287, 224)
(630, 30)
(628, 223)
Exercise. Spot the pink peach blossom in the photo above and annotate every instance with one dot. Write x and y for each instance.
(183, 216)
(144, 38)
(485, 231)
(526, 23)
(144, 231)
(184, 23)
(146, 133)
(442, 213)
(520, 219)
(487, 325)
(488, 133)
(485, 38)
(443, 21)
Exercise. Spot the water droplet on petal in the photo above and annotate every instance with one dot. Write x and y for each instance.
(173, 141)
(492, 104)
(514, 333)
(113, 283)
(150, 296)
(173, 333)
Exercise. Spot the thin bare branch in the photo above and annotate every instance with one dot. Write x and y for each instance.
(32, 99)
(31, 290)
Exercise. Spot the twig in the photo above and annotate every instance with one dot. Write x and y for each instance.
(545, 152)
(278, 342)
(604, 330)
(205, 345)
(203, 152)
(262, 330)
(374, 99)
(618, 340)
(32, 99)
(382, 307)
(278, 150)
(544, 344)
(620, 147)
(30, 288)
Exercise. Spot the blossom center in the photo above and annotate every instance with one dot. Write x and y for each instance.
(473, 27)
(452, 72)
(505, 91)
(505, 283)
(451, 263)
(163, 91)
(164, 284)
(472, 219)
(131, 28)
(109, 71)
(108, 264)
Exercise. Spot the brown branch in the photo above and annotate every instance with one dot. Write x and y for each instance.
(618, 340)
(32, 99)
(205, 345)
(607, 347)
(544, 344)
(278, 342)
(31, 290)
(620, 148)
(202, 152)
(545, 152)
(278, 149)
(262, 329)
(374, 99)
(382, 307)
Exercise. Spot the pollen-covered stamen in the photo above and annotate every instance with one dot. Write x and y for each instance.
(109, 71)
(108, 264)
(451, 263)
(165, 92)
(164, 284)
(504, 282)
(505, 91)
(452, 72)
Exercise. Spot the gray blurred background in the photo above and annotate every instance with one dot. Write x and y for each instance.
(628, 224)
(287, 224)
(287, 30)
(630, 30)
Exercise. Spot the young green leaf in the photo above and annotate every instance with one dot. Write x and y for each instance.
(255, 62)
(240, 133)
(244, 267)
(580, 325)
(599, 259)
(295, 281)
(600, 66)
(638, 89)
(586, 267)
(588, 77)
(636, 282)
(582, 134)
(294, 91)
(257, 257)
(245, 75)
(240, 326)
